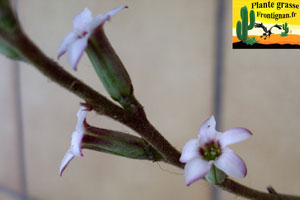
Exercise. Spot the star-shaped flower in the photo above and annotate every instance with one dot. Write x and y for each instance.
(84, 25)
(75, 148)
(211, 148)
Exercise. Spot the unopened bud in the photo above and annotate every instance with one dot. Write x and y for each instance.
(108, 66)
(118, 143)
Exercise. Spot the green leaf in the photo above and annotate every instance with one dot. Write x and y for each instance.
(215, 176)
(8, 51)
(8, 21)
(9, 28)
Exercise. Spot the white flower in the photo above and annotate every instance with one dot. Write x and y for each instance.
(75, 148)
(76, 41)
(211, 148)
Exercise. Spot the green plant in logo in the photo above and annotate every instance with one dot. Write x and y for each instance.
(251, 41)
(286, 30)
(243, 27)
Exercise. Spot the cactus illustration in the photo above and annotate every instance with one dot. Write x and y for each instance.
(243, 27)
(286, 30)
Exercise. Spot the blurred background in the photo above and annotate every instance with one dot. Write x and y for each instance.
(180, 59)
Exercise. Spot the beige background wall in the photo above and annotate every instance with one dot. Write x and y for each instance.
(168, 48)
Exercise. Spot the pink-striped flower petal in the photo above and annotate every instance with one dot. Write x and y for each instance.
(82, 21)
(196, 169)
(65, 161)
(231, 164)
(234, 135)
(207, 131)
(64, 45)
(75, 51)
(190, 150)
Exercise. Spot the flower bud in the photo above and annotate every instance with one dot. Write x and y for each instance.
(108, 66)
(118, 143)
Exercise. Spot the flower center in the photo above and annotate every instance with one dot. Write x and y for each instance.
(210, 151)
(82, 34)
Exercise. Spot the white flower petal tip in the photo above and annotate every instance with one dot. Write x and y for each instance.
(196, 169)
(65, 162)
(75, 148)
(115, 11)
(82, 20)
(231, 164)
(76, 51)
(84, 25)
(234, 135)
(207, 130)
(211, 148)
(63, 47)
(101, 19)
(77, 136)
(189, 150)
(208, 124)
(81, 115)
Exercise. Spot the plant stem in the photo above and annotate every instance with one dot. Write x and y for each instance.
(102, 105)
(241, 190)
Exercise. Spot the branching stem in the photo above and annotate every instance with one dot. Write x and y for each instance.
(103, 106)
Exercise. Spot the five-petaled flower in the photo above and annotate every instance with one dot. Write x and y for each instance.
(84, 25)
(75, 148)
(211, 148)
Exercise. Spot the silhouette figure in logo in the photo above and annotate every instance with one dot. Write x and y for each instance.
(266, 31)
